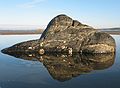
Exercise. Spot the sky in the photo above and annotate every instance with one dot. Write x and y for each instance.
(96, 13)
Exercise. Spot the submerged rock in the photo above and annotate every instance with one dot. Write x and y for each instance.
(65, 35)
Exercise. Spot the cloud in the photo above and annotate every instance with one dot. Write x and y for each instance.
(30, 4)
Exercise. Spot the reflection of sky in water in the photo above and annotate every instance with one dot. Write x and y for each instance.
(17, 73)
(117, 39)
(8, 40)
(16, 69)
(116, 67)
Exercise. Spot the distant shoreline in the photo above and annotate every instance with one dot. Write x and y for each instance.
(113, 32)
(20, 32)
(40, 31)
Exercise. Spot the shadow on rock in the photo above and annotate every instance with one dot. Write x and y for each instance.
(65, 67)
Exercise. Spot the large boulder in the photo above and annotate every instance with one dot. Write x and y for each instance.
(65, 35)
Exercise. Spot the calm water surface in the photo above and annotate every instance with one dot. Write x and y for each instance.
(20, 73)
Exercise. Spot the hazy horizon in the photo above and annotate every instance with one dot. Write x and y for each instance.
(21, 27)
(30, 27)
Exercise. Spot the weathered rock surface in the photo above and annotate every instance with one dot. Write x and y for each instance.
(99, 43)
(65, 35)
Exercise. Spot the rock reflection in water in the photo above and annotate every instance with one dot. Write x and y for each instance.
(65, 67)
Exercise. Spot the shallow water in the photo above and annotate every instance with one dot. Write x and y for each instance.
(20, 73)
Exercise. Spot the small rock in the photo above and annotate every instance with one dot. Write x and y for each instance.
(41, 51)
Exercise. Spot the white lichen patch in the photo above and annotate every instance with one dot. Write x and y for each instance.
(41, 44)
(64, 41)
(63, 56)
(30, 48)
(30, 55)
(63, 47)
(41, 59)
(70, 50)
(64, 60)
